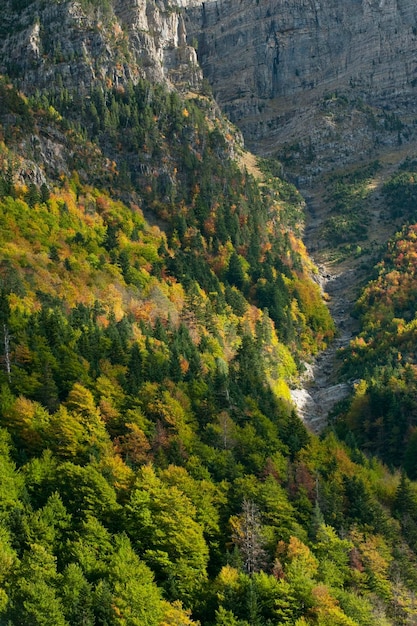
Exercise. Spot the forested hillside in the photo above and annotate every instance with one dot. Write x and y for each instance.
(156, 306)
(382, 415)
(154, 471)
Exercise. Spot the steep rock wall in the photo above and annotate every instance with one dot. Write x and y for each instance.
(317, 82)
(275, 65)
(72, 44)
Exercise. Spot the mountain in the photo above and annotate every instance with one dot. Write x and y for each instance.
(157, 305)
(317, 83)
(47, 45)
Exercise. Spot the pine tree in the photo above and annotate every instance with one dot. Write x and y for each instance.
(235, 274)
(405, 502)
(134, 375)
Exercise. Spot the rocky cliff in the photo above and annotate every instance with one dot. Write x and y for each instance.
(66, 49)
(320, 78)
(315, 83)
(76, 44)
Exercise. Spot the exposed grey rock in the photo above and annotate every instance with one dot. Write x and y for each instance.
(67, 45)
(278, 69)
(318, 83)
(319, 387)
(314, 407)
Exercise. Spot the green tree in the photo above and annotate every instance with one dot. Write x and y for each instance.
(136, 598)
(134, 374)
(235, 273)
(91, 547)
(49, 526)
(405, 501)
(8, 564)
(226, 618)
(12, 482)
(77, 597)
(410, 456)
(161, 522)
(85, 491)
(33, 590)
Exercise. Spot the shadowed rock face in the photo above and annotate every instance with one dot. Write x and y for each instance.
(320, 83)
(273, 65)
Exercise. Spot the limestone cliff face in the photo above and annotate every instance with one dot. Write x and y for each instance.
(74, 44)
(68, 45)
(317, 82)
(277, 65)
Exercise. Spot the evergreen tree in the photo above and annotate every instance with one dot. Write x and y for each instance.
(405, 502)
(134, 374)
(235, 274)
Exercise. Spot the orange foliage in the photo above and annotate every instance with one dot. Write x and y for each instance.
(184, 364)
(133, 446)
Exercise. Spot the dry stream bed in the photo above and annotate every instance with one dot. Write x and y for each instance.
(321, 387)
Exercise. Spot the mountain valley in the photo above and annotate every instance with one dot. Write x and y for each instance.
(169, 298)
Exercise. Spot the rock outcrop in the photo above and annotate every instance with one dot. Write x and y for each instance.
(317, 82)
(322, 78)
(76, 44)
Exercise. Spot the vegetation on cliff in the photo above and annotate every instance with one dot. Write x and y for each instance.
(156, 304)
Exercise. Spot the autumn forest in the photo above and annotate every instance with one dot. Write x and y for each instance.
(157, 304)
